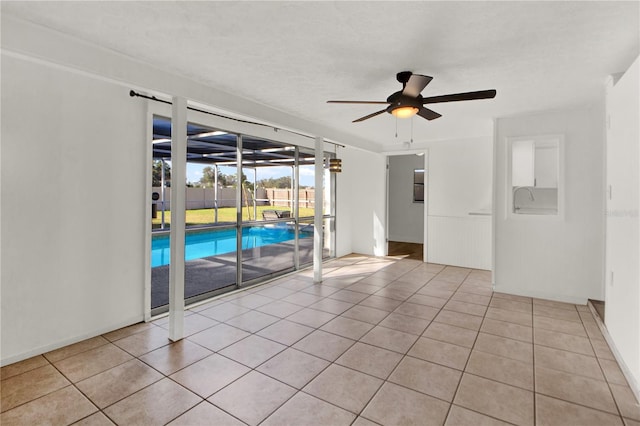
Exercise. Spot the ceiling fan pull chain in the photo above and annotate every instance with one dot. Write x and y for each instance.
(411, 129)
(396, 127)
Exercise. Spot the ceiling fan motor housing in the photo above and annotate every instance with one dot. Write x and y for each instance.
(403, 77)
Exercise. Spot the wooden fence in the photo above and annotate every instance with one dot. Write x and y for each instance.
(204, 198)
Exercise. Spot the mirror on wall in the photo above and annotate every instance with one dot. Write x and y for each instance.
(535, 170)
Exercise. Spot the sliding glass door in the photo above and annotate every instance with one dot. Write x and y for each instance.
(268, 228)
(211, 231)
(249, 210)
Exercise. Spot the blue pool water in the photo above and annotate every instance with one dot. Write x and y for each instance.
(219, 241)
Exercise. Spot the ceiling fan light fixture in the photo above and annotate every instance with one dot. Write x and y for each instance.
(405, 111)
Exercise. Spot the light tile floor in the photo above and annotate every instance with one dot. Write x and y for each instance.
(385, 341)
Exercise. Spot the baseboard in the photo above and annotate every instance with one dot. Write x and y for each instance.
(633, 383)
(541, 295)
(53, 346)
(413, 239)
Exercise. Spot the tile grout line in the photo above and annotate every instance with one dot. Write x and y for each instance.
(383, 381)
(330, 363)
(204, 399)
(407, 355)
(465, 369)
(165, 376)
(455, 393)
(80, 391)
(72, 383)
(275, 355)
(450, 403)
(606, 379)
(573, 402)
(404, 355)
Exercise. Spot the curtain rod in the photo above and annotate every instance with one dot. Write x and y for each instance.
(132, 93)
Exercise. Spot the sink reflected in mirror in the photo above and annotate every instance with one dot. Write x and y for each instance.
(531, 200)
(535, 174)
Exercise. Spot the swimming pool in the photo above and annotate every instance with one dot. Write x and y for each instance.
(201, 244)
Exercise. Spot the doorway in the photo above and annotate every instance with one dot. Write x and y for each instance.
(406, 199)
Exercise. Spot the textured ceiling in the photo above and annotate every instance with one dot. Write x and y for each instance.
(293, 56)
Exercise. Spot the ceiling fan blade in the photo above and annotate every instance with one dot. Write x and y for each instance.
(415, 85)
(366, 117)
(428, 114)
(466, 96)
(358, 102)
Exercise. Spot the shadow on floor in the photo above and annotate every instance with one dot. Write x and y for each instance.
(215, 272)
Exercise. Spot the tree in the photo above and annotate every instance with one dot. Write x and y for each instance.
(246, 183)
(157, 173)
(230, 180)
(281, 182)
(208, 178)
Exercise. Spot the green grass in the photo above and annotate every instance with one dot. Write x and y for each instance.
(225, 214)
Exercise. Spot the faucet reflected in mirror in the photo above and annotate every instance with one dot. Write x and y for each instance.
(524, 187)
(516, 205)
(532, 200)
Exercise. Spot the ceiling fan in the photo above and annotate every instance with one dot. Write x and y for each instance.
(409, 102)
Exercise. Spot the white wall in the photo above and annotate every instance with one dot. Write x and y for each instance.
(558, 259)
(406, 218)
(622, 292)
(24, 38)
(73, 254)
(361, 206)
(459, 176)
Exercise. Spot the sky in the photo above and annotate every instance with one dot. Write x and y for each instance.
(194, 173)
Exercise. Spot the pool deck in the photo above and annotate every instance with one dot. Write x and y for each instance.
(215, 272)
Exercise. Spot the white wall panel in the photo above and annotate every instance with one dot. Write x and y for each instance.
(459, 179)
(460, 241)
(361, 210)
(622, 313)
